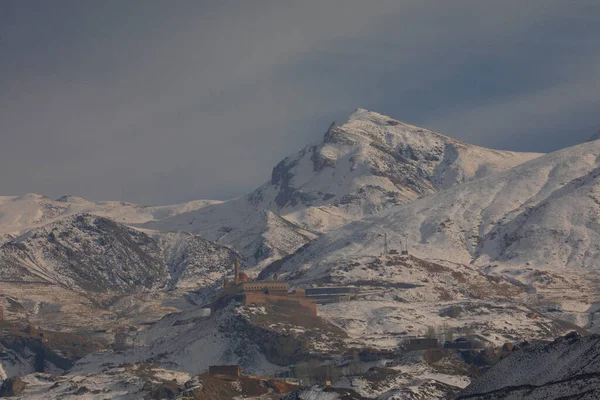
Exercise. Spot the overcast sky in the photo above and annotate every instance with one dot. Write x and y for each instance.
(159, 102)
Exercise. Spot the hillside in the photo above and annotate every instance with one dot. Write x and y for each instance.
(541, 215)
(567, 368)
(87, 253)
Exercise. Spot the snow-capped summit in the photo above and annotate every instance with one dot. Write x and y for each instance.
(362, 114)
(373, 162)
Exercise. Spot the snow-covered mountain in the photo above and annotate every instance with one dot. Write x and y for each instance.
(369, 164)
(373, 162)
(489, 234)
(88, 253)
(543, 214)
(21, 213)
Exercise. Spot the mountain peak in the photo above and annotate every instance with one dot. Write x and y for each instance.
(386, 130)
(362, 114)
(376, 162)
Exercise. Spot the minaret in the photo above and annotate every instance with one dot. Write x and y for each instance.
(237, 271)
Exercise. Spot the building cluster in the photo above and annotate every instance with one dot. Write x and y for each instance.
(324, 295)
(274, 292)
(277, 292)
(229, 370)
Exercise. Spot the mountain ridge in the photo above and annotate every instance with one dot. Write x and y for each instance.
(21, 213)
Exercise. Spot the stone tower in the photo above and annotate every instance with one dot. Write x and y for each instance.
(237, 271)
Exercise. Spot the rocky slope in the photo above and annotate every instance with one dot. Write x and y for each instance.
(88, 253)
(147, 381)
(566, 368)
(25, 349)
(369, 164)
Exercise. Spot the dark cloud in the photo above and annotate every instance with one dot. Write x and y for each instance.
(159, 102)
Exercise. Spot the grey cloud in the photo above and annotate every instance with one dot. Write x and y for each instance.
(158, 102)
